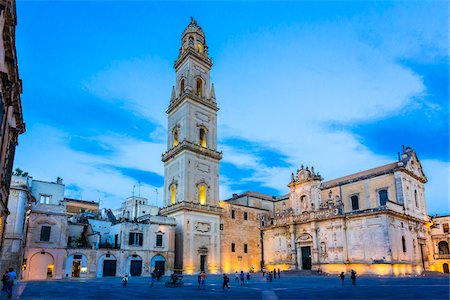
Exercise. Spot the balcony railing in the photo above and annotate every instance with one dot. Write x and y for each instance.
(190, 206)
(441, 256)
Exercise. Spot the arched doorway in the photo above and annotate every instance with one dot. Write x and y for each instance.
(76, 265)
(41, 266)
(158, 262)
(445, 267)
(107, 265)
(134, 265)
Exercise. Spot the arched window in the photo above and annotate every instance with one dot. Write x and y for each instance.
(355, 202)
(182, 87)
(202, 137)
(173, 194)
(383, 195)
(199, 87)
(443, 247)
(175, 137)
(403, 244)
(202, 194)
(415, 198)
(199, 48)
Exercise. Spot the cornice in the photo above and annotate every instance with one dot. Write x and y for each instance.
(191, 96)
(188, 146)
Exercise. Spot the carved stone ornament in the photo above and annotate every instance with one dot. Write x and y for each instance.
(202, 227)
(202, 250)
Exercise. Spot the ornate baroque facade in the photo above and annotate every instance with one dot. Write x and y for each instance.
(11, 118)
(374, 221)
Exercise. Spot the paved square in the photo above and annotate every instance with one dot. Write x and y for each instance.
(290, 286)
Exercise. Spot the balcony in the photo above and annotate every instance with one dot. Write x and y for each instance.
(441, 256)
(191, 206)
(185, 145)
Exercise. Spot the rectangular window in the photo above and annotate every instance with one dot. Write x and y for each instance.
(232, 214)
(445, 227)
(383, 195)
(159, 238)
(245, 248)
(44, 199)
(355, 202)
(136, 239)
(221, 226)
(245, 216)
(45, 233)
(233, 248)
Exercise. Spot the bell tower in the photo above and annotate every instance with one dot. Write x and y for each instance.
(191, 163)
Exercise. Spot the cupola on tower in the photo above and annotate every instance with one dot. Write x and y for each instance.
(191, 163)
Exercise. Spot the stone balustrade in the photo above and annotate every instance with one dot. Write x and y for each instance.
(190, 206)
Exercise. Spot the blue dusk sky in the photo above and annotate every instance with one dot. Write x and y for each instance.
(337, 85)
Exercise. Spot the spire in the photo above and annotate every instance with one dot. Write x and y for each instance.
(172, 97)
(213, 93)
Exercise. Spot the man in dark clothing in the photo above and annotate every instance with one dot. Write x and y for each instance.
(353, 277)
(225, 281)
(4, 281)
(342, 277)
(279, 274)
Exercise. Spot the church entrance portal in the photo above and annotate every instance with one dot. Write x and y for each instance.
(306, 258)
(161, 266)
(203, 263)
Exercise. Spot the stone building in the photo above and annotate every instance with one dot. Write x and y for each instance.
(439, 241)
(11, 118)
(47, 232)
(77, 206)
(191, 163)
(48, 242)
(14, 242)
(372, 221)
(134, 207)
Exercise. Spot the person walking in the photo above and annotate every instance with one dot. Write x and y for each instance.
(4, 281)
(267, 276)
(199, 279)
(270, 276)
(279, 274)
(153, 277)
(248, 277)
(11, 276)
(125, 280)
(353, 277)
(203, 279)
(242, 277)
(236, 277)
(342, 277)
(264, 272)
(225, 281)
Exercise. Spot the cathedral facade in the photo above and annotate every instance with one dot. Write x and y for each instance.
(374, 221)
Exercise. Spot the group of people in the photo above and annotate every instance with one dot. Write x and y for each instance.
(155, 275)
(8, 279)
(240, 278)
(352, 277)
(271, 275)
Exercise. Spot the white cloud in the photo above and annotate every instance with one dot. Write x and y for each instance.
(54, 158)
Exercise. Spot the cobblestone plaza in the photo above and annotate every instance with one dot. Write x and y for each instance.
(290, 286)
